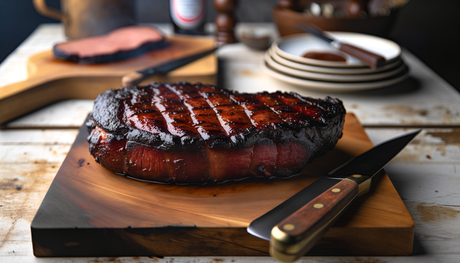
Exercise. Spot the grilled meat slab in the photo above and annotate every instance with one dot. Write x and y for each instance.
(120, 44)
(194, 133)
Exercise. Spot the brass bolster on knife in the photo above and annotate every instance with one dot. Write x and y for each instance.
(287, 248)
(364, 183)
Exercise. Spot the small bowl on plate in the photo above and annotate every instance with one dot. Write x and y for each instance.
(255, 40)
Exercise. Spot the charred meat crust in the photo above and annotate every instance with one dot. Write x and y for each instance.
(163, 127)
(109, 114)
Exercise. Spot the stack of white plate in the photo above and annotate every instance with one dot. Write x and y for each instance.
(285, 61)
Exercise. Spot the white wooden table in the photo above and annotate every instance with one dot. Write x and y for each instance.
(426, 173)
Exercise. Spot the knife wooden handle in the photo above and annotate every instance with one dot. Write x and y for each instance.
(136, 77)
(295, 235)
(132, 79)
(371, 59)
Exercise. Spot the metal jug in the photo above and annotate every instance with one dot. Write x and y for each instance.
(84, 18)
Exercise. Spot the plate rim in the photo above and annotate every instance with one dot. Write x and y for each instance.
(338, 78)
(331, 86)
(330, 70)
(316, 62)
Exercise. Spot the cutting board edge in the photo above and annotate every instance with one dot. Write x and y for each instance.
(66, 242)
(401, 248)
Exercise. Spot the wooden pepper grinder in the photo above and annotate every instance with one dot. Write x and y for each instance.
(225, 21)
(358, 8)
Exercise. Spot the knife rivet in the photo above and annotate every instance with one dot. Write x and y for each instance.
(318, 206)
(356, 175)
(288, 227)
(335, 190)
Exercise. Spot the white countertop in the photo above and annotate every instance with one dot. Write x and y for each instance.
(426, 173)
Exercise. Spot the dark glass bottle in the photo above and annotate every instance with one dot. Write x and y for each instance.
(188, 16)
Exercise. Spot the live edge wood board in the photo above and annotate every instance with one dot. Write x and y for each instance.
(89, 211)
(52, 80)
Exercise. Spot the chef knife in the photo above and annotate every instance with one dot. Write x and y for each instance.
(373, 60)
(294, 226)
(137, 77)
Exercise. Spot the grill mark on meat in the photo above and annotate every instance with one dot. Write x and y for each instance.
(259, 114)
(173, 111)
(138, 112)
(286, 113)
(231, 116)
(301, 105)
(203, 117)
(152, 121)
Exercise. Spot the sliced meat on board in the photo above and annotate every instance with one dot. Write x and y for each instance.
(120, 44)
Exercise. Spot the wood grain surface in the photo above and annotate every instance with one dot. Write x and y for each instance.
(89, 211)
(51, 80)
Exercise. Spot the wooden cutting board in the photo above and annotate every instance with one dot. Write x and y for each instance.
(89, 211)
(51, 80)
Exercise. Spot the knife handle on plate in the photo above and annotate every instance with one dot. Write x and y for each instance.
(296, 234)
(373, 60)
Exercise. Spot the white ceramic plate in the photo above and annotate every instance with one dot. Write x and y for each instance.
(293, 47)
(331, 70)
(332, 77)
(333, 86)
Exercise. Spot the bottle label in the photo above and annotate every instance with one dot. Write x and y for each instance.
(187, 14)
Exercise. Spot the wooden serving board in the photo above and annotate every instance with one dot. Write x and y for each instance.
(89, 211)
(51, 80)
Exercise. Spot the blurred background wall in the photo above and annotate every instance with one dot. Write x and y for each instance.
(429, 29)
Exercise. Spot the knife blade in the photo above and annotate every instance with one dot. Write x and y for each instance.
(137, 77)
(371, 59)
(295, 225)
